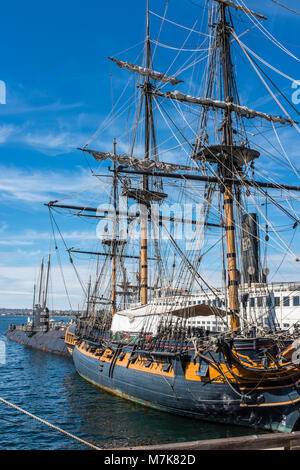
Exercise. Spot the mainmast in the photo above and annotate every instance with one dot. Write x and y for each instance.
(114, 241)
(144, 215)
(227, 168)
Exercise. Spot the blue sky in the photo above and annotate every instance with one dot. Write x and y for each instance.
(54, 61)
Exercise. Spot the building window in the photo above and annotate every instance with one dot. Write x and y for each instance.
(286, 301)
(252, 302)
(296, 301)
(286, 325)
(277, 301)
(259, 301)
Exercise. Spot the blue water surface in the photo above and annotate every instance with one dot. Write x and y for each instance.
(48, 386)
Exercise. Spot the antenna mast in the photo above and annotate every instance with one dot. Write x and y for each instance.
(46, 283)
(41, 282)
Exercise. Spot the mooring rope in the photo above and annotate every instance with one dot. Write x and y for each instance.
(49, 424)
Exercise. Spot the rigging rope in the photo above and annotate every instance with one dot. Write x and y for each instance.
(59, 261)
(66, 433)
(167, 46)
(192, 30)
(161, 25)
(266, 32)
(284, 6)
(284, 152)
(266, 85)
(70, 258)
(266, 63)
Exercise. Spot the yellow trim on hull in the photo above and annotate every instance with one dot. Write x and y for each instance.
(282, 403)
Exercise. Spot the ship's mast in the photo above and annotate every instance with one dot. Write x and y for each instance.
(224, 41)
(114, 240)
(144, 217)
(88, 298)
(41, 282)
(33, 303)
(46, 283)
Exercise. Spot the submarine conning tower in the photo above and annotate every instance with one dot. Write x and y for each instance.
(41, 318)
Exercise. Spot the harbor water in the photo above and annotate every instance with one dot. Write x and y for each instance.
(48, 386)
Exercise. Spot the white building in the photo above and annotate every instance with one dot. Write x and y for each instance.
(262, 305)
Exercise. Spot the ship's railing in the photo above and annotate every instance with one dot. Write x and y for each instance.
(275, 441)
(23, 327)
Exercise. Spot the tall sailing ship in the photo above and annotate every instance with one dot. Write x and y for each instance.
(148, 340)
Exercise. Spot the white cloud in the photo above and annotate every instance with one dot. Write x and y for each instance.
(42, 186)
(14, 292)
(6, 130)
(17, 106)
(53, 143)
(14, 242)
(18, 281)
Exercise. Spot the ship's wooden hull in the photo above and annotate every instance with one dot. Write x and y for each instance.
(187, 389)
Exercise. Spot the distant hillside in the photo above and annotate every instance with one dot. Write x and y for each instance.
(28, 312)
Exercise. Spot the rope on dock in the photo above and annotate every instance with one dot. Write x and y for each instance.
(82, 441)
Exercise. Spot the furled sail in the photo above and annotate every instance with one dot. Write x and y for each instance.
(137, 163)
(242, 110)
(245, 10)
(161, 77)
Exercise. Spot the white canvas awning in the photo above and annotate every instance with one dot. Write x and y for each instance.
(148, 316)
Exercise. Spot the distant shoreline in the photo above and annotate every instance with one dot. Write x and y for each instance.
(28, 313)
(21, 315)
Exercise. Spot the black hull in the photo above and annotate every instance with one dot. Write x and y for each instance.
(52, 341)
(277, 410)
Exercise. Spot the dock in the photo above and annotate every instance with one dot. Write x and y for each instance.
(272, 441)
